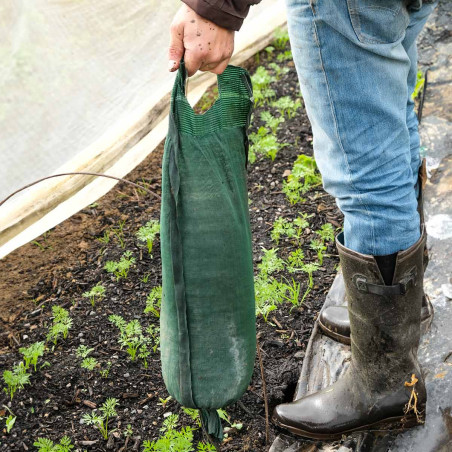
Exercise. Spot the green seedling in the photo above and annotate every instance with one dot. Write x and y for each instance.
(304, 176)
(279, 71)
(270, 263)
(118, 231)
(105, 239)
(121, 268)
(10, 420)
(172, 440)
(268, 295)
(83, 351)
(282, 227)
(319, 247)
(293, 293)
(128, 432)
(40, 245)
(269, 50)
(194, 415)
(287, 106)
(89, 363)
(96, 293)
(261, 78)
(287, 55)
(170, 423)
(131, 336)
(47, 445)
(153, 301)
(154, 332)
(268, 146)
(104, 372)
(271, 121)
(15, 379)
(32, 353)
(100, 421)
(225, 416)
(164, 402)
(295, 261)
(309, 269)
(148, 232)
(326, 232)
(281, 38)
(420, 82)
(60, 326)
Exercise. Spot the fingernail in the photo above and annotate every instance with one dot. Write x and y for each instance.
(171, 64)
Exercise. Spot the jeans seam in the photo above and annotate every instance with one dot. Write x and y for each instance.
(336, 130)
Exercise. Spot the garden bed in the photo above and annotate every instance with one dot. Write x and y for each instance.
(59, 267)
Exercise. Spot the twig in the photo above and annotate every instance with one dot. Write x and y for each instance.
(83, 173)
(264, 390)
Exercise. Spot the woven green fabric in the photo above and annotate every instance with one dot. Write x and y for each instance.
(208, 337)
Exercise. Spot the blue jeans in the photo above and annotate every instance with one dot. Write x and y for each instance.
(357, 63)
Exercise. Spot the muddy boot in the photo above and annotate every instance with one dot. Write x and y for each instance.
(383, 387)
(334, 321)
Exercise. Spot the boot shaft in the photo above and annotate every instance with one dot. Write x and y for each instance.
(384, 319)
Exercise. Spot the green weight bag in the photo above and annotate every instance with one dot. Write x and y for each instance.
(208, 333)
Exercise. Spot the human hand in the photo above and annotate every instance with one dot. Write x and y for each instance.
(204, 45)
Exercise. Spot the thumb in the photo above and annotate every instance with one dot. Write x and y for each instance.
(176, 47)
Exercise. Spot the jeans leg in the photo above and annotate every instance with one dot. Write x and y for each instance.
(417, 22)
(353, 72)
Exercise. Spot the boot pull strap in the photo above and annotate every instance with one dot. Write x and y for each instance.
(401, 288)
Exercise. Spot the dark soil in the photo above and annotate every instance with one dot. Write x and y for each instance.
(33, 280)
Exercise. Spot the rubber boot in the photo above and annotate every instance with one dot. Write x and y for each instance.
(334, 321)
(383, 387)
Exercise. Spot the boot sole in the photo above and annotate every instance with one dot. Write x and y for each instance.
(390, 424)
(425, 325)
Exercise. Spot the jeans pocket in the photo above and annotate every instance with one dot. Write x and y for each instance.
(378, 21)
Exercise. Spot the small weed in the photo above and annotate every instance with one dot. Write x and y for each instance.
(32, 354)
(164, 402)
(60, 326)
(121, 268)
(148, 232)
(97, 292)
(47, 445)
(100, 421)
(15, 379)
(153, 301)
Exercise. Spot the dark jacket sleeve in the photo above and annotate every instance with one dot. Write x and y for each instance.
(225, 13)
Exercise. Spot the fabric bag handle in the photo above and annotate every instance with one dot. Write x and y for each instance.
(231, 109)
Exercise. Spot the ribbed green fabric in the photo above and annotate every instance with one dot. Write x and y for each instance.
(208, 338)
(230, 110)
